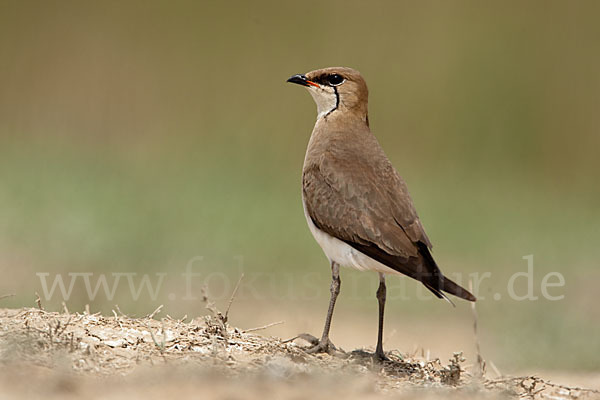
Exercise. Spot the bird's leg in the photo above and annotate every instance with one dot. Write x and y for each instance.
(324, 345)
(381, 291)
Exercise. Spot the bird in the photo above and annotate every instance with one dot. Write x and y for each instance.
(356, 204)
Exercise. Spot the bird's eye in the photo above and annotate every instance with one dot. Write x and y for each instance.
(335, 79)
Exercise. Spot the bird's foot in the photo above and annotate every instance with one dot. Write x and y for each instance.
(322, 346)
(380, 356)
(319, 346)
(377, 357)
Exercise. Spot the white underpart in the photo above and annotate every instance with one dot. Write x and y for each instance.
(325, 98)
(342, 253)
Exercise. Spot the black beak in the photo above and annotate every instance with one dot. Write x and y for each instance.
(299, 79)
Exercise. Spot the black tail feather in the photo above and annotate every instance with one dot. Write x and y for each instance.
(452, 288)
(423, 269)
(440, 282)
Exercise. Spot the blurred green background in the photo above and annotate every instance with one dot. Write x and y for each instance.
(136, 135)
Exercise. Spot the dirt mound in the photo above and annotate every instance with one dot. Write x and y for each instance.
(66, 353)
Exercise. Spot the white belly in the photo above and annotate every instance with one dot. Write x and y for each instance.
(342, 253)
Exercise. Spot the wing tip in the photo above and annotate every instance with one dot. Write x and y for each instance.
(457, 290)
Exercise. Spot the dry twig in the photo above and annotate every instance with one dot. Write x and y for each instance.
(38, 301)
(232, 297)
(151, 315)
(480, 360)
(263, 327)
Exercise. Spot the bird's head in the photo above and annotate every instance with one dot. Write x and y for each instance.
(336, 89)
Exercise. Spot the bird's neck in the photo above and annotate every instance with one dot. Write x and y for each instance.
(343, 117)
(338, 129)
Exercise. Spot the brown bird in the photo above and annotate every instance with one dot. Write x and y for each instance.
(356, 204)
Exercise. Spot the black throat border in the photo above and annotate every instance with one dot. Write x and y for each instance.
(337, 102)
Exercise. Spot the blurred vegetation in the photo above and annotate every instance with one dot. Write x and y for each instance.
(136, 135)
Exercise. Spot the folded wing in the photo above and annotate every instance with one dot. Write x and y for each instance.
(367, 206)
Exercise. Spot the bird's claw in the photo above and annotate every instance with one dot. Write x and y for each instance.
(319, 346)
(322, 347)
(380, 357)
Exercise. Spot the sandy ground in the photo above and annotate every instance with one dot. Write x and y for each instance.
(58, 355)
